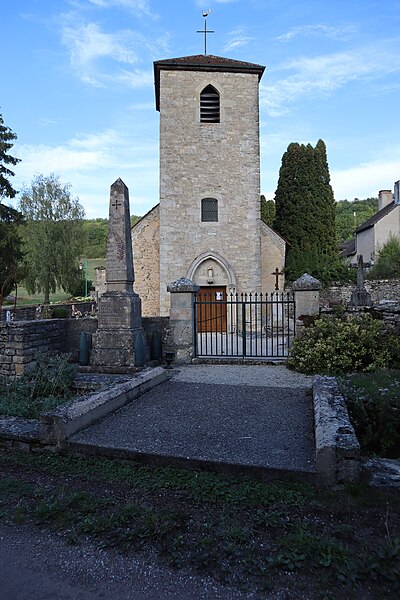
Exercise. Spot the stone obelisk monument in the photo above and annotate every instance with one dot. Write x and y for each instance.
(120, 311)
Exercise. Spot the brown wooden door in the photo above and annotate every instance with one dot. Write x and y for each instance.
(211, 312)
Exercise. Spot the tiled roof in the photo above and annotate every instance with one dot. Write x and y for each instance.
(202, 62)
(376, 217)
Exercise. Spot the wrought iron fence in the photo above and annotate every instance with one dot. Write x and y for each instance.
(245, 325)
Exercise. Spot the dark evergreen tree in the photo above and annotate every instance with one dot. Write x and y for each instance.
(305, 212)
(267, 208)
(10, 241)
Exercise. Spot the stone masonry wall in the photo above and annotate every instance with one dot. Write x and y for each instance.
(21, 340)
(388, 289)
(146, 260)
(272, 256)
(209, 160)
(28, 313)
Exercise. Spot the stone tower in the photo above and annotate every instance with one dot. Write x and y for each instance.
(210, 228)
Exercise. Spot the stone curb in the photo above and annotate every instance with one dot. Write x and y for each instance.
(336, 445)
(57, 425)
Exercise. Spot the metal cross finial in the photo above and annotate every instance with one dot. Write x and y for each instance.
(205, 31)
(276, 273)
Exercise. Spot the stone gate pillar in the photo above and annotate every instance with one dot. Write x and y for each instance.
(181, 319)
(306, 294)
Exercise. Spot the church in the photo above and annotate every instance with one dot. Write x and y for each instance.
(207, 224)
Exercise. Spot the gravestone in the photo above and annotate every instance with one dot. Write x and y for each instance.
(120, 313)
(360, 297)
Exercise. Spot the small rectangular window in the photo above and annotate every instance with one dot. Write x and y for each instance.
(209, 209)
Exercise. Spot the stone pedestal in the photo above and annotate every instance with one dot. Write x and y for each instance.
(306, 294)
(181, 319)
(119, 323)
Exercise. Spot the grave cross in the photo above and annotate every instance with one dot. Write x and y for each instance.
(276, 273)
(205, 30)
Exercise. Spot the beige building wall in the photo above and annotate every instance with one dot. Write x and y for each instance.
(272, 256)
(388, 226)
(365, 244)
(146, 260)
(217, 160)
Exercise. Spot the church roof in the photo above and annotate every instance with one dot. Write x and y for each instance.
(202, 62)
(376, 217)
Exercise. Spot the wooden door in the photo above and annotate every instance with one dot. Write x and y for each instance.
(211, 310)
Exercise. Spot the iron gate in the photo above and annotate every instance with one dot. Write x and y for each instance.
(243, 326)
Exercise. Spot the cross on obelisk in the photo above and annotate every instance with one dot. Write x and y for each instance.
(205, 30)
(276, 273)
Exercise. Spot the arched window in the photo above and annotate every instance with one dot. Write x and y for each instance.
(209, 105)
(209, 209)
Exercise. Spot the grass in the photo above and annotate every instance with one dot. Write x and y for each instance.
(255, 536)
(373, 401)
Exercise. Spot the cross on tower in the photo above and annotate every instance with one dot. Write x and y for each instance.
(205, 30)
(276, 273)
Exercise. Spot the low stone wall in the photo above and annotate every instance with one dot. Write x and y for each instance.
(28, 313)
(386, 289)
(336, 446)
(21, 340)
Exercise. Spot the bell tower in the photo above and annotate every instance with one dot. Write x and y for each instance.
(209, 172)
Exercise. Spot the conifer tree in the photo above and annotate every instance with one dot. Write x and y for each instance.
(305, 212)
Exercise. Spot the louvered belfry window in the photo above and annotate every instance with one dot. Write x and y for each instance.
(209, 105)
(209, 209)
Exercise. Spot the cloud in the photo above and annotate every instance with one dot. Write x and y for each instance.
(138, 7)
(238, 40)
(322, 75)
(100, 58)
(338, 33)
(365, 180)
(92, 162)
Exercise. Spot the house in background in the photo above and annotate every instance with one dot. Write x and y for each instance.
(376, 231)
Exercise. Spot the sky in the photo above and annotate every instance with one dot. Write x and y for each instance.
(77, 87)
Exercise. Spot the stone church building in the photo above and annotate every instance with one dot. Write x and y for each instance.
(207, 225)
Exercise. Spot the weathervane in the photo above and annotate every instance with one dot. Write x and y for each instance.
(205, 31)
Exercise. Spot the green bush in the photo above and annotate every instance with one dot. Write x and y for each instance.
(60, 312)
(333, 346)
(373, 402)
(78, 290)
(387, 265)
(48, 384)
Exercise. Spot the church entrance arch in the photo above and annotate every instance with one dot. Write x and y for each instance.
(214, 276)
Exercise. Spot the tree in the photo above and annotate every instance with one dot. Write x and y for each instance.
(53, 235)
(10, 240)
(305, 212)
(350, 215)
(387, 265)
(267, 210)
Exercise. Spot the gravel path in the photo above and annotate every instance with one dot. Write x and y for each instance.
(246, 415)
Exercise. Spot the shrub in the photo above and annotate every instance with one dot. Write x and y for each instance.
(334, 346)
(60, 312)
(373, 402)
(48, 384)
(78, 290)
(387, 265)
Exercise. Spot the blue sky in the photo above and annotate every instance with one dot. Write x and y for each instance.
(77, 86)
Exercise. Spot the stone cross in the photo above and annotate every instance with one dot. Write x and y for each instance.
(276, 273)
(360, 272)
(120, 274)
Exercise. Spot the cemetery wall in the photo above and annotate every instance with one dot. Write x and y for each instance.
(21, 340)
(28, 313)
(386, 289)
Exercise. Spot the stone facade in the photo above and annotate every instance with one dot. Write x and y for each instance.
(209, 160)
(146, 254)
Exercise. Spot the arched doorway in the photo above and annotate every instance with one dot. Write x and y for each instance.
(216, 279)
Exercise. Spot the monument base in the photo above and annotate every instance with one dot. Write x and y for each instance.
(114, 347)
(120, 321)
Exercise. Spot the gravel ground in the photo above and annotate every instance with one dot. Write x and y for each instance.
(246, 415)
(38, 565)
